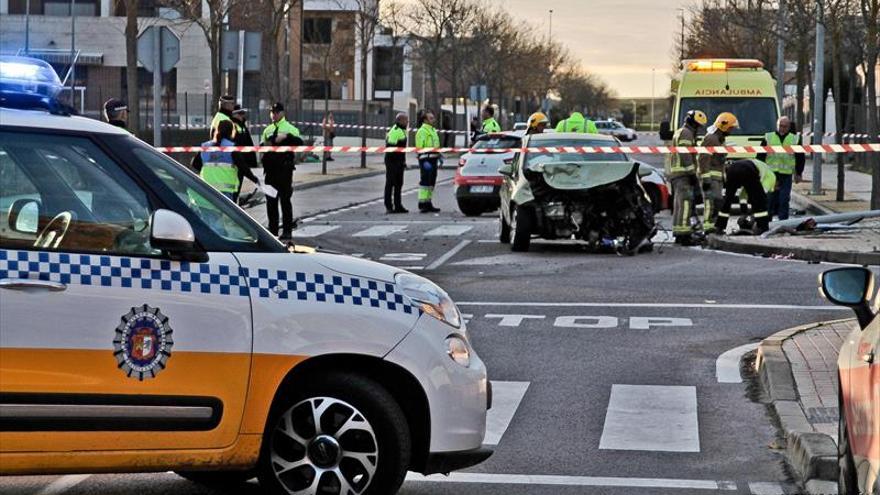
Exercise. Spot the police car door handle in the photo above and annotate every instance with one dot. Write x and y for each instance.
(24, 283)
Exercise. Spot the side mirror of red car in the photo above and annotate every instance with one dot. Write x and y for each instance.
(852, 287)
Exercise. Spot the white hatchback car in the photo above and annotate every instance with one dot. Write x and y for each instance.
(616, 129)
(149, 324)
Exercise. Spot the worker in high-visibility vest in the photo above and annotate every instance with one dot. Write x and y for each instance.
(278, 168)
(576, 122)
(490, 125)
(395, 165)
(225, 107)
(429, 162)
(682, 173)
(221, 169)
(758, 180)
(711, 168)
(789, 167)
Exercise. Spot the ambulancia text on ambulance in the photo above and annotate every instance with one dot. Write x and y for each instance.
(713, 86)
(149, 324)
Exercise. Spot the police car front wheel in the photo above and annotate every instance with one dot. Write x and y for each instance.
(341, 433)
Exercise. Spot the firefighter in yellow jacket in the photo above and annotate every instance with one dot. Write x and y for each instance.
(683, 176)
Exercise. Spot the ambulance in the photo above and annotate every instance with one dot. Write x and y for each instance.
(149, 324)
(739, 86)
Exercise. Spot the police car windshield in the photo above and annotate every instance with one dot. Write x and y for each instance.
(756, 116)
(534, 158)
(494, 143)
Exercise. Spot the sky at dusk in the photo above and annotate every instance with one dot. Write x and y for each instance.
(618, 40)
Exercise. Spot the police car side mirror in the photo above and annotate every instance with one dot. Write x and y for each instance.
(666, 133)
(851, 287)
(24, 216)
(172, 233)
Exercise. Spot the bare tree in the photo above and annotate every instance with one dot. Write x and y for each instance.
(366, 20)
(870, 10)
(211, 23)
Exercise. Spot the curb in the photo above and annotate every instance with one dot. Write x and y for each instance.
(811, 206)
(812, 455)
(805, 254)
(335, 180)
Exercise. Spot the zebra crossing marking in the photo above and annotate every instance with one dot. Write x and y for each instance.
(656, 418)
(314, 230)
(380, 231)
(506, 398)
(448, 230)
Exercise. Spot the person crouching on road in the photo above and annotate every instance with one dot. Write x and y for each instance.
(221, 169)
(682, 173)
(538, 123)
(758, 180)
(429, 162)
(278, 168)
(395, 165)
(784, 165)
(711, 168)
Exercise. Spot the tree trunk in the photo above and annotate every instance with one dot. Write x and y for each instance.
(216, 75)
(874, 159)
(131, 65)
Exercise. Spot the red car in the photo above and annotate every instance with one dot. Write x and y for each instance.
(858, 367)
(477, 180)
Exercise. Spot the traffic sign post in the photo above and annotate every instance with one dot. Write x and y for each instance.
(158, 52)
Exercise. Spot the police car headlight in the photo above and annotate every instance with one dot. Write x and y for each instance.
(430, 298)
(458, 350)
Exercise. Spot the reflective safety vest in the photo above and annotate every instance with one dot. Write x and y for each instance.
(491, 125)
(218, 170)
(427, 137)
(395, 137)
(577, 123)
(768, 177)
(781, 163)
(218, 117)
(683, 163)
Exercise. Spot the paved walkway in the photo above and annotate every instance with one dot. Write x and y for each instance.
(857, 186)
(813, 357)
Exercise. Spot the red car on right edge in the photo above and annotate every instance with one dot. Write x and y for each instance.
(859, 370)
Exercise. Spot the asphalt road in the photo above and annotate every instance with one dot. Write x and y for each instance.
(605, 366)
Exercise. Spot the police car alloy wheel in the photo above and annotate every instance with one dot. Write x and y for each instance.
(341, 434)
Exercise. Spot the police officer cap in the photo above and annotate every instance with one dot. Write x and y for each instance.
(278, 107)
(227, 99)
(115, 105)
(237, 110)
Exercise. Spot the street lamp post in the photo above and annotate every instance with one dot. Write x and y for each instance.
(819, 96)
(551, 24)
(653, 71)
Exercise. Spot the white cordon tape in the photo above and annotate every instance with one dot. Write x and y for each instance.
(314, 124)
(634, 150)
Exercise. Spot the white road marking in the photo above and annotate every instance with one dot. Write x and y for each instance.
(514, 320)
(585, 322)
(652, 305)
(506, 397)
(727, 364)
(656, 418)
(403, 257)
(448, 230)
(314, 230)
(646, 322)
(63, 484)
(765, 488)
(448, 255)
(594, 481)
(380, 231)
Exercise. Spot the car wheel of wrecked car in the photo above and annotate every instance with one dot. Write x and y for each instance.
(504, 234)
(522, 226)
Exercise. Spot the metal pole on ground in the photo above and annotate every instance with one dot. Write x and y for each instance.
(819, 96)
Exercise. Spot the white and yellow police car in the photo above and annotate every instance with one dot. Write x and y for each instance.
(149, 324)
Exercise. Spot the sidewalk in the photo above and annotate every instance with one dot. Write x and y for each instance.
(798, 370)
(859, 247)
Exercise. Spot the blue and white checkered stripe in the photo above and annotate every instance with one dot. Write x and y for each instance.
(200, 278)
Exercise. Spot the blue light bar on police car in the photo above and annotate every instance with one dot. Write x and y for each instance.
(26, 81)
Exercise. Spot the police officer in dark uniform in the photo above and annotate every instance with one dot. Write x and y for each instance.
(116, 113)
(248, 160)
(279, 169)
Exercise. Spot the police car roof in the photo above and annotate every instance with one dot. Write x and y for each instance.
(41, 119)
(574, 136)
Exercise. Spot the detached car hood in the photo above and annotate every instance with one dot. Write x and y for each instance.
(583, 175)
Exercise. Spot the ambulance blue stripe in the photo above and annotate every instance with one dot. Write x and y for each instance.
(202, 278)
